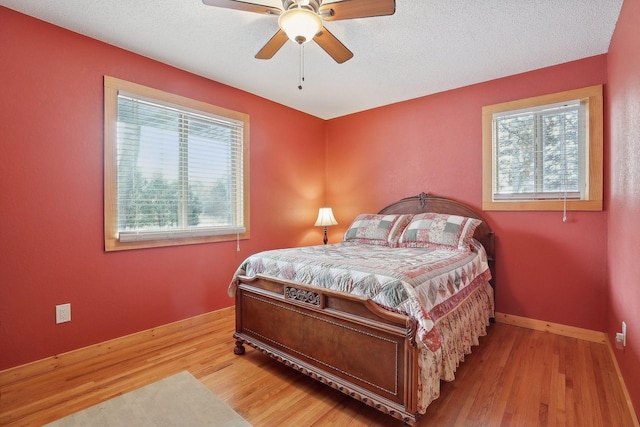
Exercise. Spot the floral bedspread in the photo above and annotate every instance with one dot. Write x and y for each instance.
(412, 281)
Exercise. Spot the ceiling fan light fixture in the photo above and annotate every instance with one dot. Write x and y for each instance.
(300, 25)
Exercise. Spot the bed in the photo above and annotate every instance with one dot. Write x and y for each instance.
(363, 328)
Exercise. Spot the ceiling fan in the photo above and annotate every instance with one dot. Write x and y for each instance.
(301, 21)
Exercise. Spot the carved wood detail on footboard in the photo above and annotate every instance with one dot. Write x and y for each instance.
(339, 339)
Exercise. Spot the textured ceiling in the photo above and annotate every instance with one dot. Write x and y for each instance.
(427, 46)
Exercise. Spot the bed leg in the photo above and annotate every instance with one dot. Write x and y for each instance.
(239, 348)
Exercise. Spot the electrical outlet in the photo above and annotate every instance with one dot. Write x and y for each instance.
(63, 313)
(621, 337)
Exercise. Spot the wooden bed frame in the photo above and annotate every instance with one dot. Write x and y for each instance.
(343, 340)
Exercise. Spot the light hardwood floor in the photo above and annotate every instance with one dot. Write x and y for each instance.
(516, 377)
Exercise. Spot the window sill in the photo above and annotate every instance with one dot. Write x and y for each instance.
(542, 205)
(113, 244)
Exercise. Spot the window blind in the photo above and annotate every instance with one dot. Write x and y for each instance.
(179, 172)
(540, 153)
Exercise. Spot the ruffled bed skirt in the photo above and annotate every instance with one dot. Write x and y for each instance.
(460, 330)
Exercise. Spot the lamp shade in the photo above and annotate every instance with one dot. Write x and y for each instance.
(300, 25)
(325, 218)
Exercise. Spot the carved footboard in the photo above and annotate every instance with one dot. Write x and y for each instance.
(344, 341)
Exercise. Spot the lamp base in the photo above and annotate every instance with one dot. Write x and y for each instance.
(326, 239)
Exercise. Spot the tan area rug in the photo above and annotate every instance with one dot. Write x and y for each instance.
(179, 400)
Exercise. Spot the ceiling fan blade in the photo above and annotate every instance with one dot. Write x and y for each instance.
(350, 9)
(333, 46)
(268, 50)
(243, 5)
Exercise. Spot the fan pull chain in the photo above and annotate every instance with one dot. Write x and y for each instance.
(301, 70)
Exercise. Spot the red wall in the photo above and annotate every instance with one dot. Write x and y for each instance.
(624, 195)
(51, 196)
(546, 269)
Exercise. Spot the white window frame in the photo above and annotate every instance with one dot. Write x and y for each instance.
(590, 196)
(178, 235)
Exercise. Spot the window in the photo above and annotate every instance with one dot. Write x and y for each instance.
(176, 169)
(544, 153)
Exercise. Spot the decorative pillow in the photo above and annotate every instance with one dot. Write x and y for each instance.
(377, 229)
(432, 230)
